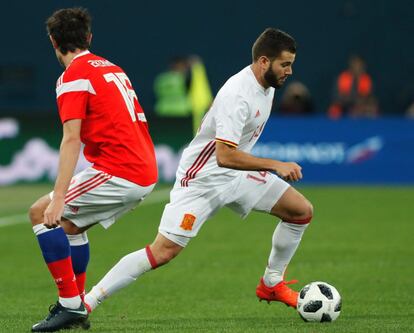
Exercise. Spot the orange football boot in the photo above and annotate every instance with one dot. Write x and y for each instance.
(280, 292)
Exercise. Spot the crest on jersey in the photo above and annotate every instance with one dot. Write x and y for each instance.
(257, 114)
(188, 222)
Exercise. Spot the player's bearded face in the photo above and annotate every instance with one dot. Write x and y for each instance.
(279, 69)
(272, 79)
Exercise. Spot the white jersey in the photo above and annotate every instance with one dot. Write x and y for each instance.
(237, 118)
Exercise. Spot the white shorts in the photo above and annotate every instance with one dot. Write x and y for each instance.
(191, 206)
(97, 197)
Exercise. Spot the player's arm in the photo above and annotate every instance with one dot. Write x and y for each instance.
(232, 158)
(68, 157)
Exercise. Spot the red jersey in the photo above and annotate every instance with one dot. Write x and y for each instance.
(114, 129)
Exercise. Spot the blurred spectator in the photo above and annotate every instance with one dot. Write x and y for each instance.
(183, 90)
(296, 100)
(354, 92)
(171, 90)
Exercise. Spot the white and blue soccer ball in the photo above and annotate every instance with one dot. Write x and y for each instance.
(319, 301)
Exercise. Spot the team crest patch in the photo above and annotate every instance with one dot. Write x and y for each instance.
(188, 222)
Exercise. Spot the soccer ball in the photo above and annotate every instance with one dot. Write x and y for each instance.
(319, 301)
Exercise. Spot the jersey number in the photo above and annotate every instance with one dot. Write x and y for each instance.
(123, 84)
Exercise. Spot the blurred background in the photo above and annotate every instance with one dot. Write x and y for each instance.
(346, 115)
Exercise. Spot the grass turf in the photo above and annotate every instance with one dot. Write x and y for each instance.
(360, 241)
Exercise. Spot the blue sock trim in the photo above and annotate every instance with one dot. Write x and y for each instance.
(54, 245)
(80, 257)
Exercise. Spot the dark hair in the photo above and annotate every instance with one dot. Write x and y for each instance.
(70, 28)
(271, 43)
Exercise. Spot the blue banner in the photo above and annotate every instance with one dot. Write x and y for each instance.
(356, 151)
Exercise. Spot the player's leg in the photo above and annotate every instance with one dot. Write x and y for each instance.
(295, 212)
(55, 248)
(179, 223)
(163, 250)
(165, 247)
(56, 252)
(131, 267)
(79, 249)
(92, 197)
(266, 192)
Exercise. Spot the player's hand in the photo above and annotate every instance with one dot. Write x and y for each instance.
(289, 171)
(53, 213)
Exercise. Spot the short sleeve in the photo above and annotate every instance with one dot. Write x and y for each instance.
(232, 114)
(72, 99)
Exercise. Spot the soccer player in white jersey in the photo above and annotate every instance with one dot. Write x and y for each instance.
(218, 170)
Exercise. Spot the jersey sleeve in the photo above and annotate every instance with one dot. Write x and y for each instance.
(72, 98)
(231, 118)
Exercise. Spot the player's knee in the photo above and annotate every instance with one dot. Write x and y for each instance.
(36, 213)
(303, 213)
(163, 250)
(164, 255)
(308, 209)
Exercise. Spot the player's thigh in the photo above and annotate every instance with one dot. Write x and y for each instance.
(187, 211)
(36, 214)
(292, 205)
(258, 191)
(97, 197)
(71, 229)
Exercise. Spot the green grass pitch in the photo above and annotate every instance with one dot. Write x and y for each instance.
(361, 240)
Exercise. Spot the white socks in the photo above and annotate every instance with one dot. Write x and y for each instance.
(126, 271)
(285, 241)
(70, 302)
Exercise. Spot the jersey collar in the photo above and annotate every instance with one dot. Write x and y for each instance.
(77, 56)
(81, 54)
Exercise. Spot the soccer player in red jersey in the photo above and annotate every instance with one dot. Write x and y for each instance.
(98, 108)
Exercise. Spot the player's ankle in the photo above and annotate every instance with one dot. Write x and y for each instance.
(271, 279)
(91, 302)
(70, 302)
